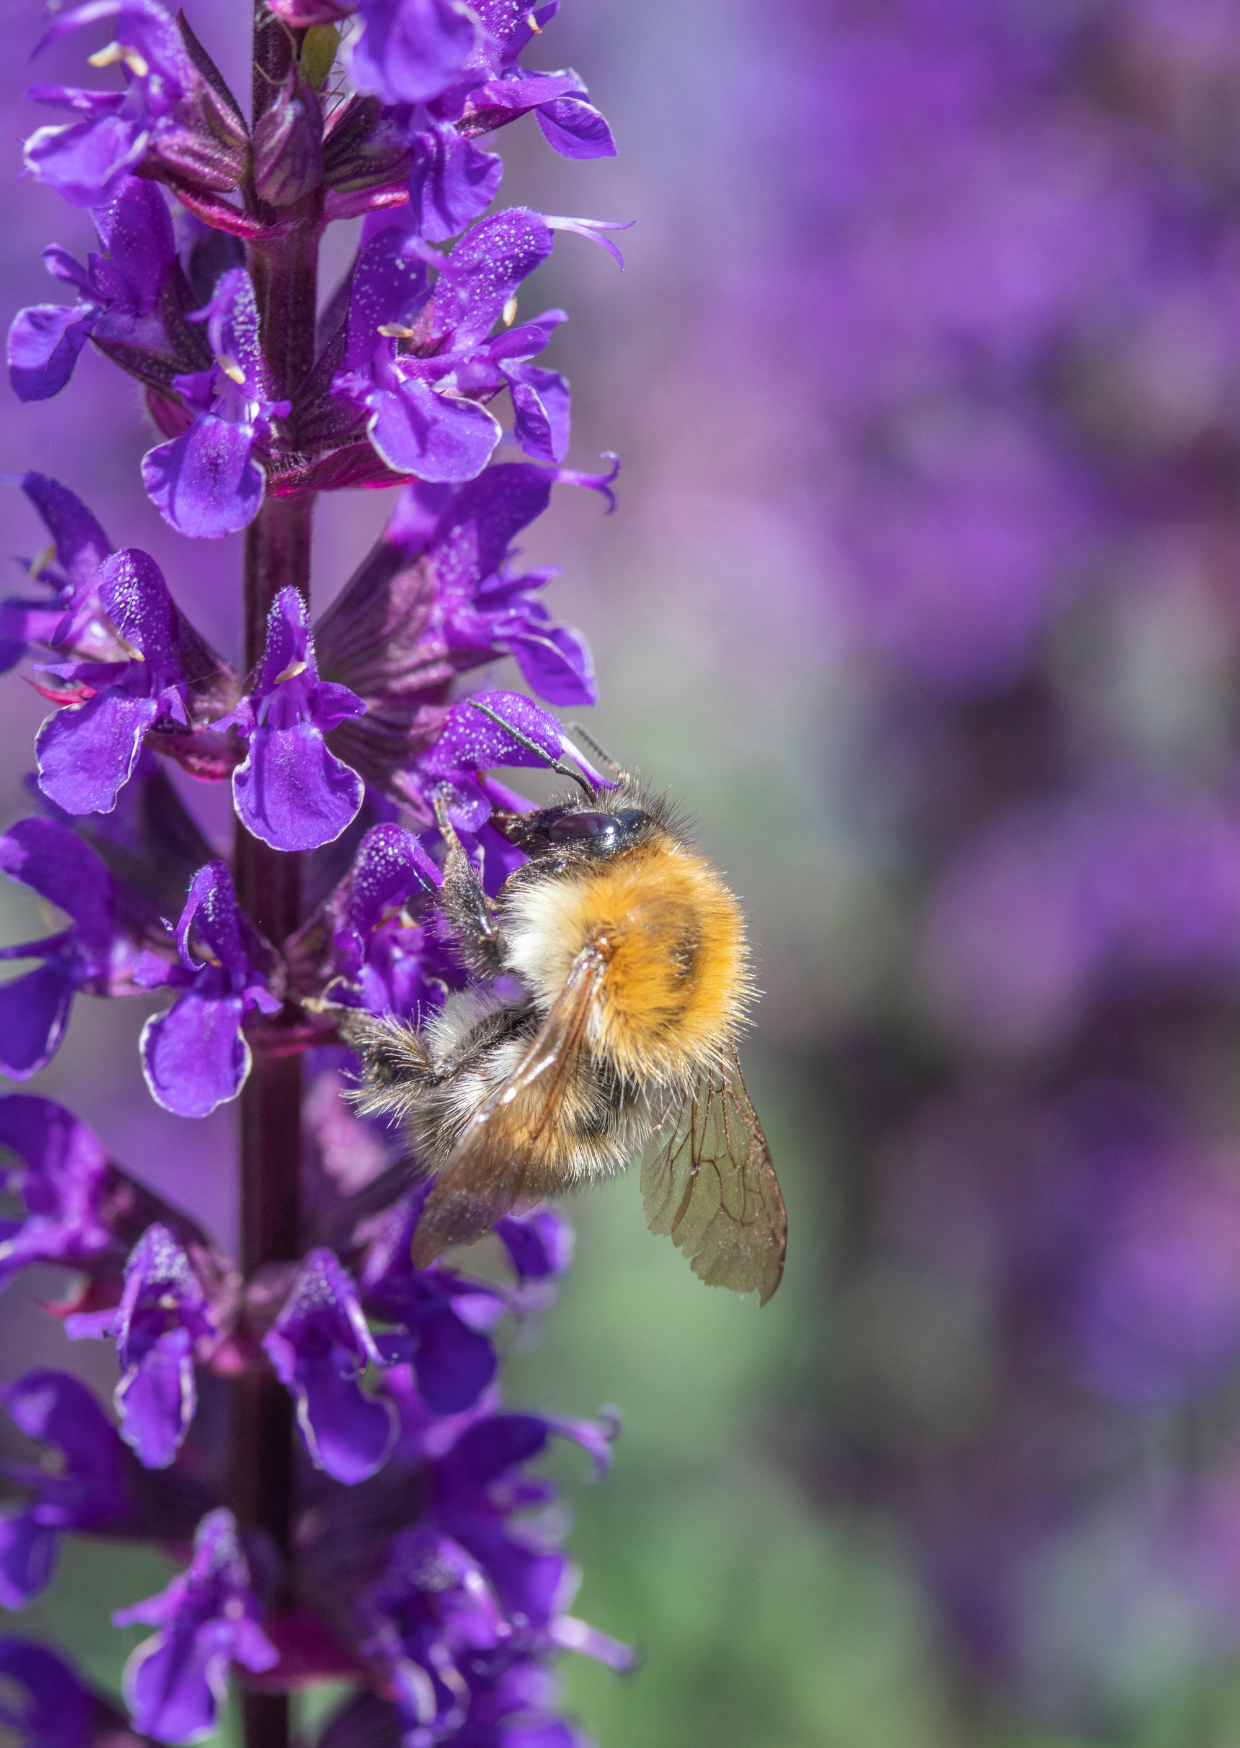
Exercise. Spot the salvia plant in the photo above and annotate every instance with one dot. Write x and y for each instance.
(370, 1516)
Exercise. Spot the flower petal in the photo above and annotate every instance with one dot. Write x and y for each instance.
(430, 435)
(86, 752)
(43, 347)
(206, 484)
(194, 1056)
(291, 792)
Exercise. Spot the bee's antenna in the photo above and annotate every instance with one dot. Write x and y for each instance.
(531, 746)
(601, 754)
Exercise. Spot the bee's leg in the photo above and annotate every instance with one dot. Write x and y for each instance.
(470, 913)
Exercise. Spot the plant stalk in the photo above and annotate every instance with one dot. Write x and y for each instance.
(277, 556)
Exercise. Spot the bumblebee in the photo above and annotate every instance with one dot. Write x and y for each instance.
(612, 977)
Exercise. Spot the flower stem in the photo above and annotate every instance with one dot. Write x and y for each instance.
(277, 556)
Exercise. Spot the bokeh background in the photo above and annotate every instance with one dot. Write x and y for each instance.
(924, 594)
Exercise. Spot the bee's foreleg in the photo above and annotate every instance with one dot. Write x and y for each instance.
(469, 912)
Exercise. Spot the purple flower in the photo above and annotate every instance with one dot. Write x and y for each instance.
(45, 1705)
(93, 953)
(208, 1619)
(319, 1345)
(85, 1491)
(410, 50)
(194, 1055)
(290, 791)
(422, 367)
(74, 622)
(470, 743)
(84, 159)
(164, 1317)
(122, 301)
(369, 946)
(168, 678)
(442, 1319)
(478, 1485)
(435, 598)
(206, 483)
(430, 1610)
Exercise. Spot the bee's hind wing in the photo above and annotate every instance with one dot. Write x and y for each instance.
(487, 1170)
(708, 1183)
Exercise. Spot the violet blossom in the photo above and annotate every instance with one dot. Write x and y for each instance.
(320, 1345)
(94, 953)
(290, 791)
(164, 1316)
(425, 398)
(194, 1055)
(206, 482)
(207, 1619)
(162, 679)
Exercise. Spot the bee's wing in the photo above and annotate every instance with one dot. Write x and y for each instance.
(487, 1170)
(708, 1183)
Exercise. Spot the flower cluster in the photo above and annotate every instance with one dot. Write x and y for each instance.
(399, 389)
(408, 1547)
(1019, 256)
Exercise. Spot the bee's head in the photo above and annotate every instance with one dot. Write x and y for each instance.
(575, 831)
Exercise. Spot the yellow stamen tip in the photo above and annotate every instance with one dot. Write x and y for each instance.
(292, 671)
(130, 649)
(232, 370)
(118, 52)
(510, 311)
(394, 331)
(40, 563)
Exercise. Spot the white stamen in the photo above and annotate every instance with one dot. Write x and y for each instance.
(119, 51)
(509, 312)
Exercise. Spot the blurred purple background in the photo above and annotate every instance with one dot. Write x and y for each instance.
(924, 594)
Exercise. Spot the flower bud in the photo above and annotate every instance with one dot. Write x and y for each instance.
(288, 143)
(365, 147)
(208, 143)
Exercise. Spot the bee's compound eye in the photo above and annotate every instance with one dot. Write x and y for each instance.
(596, 831)
(631, 821)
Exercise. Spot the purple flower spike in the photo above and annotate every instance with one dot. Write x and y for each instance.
(51, 1708)
(164, 1314)
(207, 482)
(194, 1056)
(84, 159)
(471, 742)
(84, 1492)
(410, 50)
(93, 953)
(291, 792)
(207, 1619)
(89, 748)
(319, 1345)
